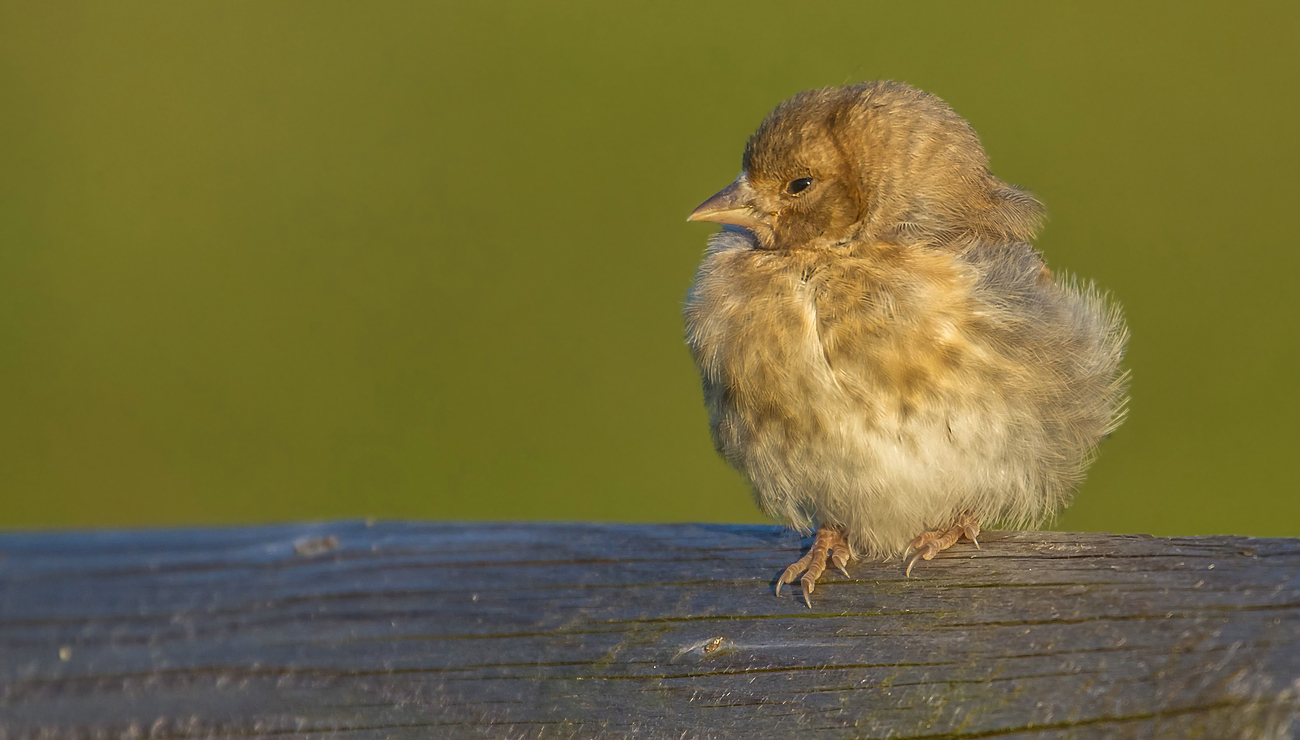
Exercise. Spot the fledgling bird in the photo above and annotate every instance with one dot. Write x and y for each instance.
(885, 356)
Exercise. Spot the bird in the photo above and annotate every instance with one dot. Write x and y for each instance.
(885, 356)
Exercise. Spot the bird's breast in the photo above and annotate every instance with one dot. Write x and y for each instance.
(805, 337)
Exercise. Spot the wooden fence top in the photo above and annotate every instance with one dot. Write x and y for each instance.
(407, 630)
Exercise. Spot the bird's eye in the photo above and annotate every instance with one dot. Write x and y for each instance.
(798, 186)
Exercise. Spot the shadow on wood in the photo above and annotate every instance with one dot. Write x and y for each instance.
(400, 630)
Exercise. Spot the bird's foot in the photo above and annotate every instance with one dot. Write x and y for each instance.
(928, 544)
(829, 544)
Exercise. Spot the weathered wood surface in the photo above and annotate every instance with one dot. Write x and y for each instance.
(402, 630)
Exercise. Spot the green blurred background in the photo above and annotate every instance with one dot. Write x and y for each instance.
(299, 260)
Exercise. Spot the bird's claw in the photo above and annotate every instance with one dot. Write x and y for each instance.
(840, 557)
(829, 545)
(808, 585)
(928, 544)
(794, 570)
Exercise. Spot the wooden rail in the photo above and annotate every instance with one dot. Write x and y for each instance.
(403, 630)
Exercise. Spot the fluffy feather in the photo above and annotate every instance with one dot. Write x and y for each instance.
(887, 350)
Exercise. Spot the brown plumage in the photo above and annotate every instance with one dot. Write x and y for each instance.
(885, 356)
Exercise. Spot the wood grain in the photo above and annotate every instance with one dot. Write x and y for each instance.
(404, 630)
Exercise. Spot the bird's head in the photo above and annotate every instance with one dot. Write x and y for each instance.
(878, 161)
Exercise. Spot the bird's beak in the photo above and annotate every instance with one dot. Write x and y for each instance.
(734, 204)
